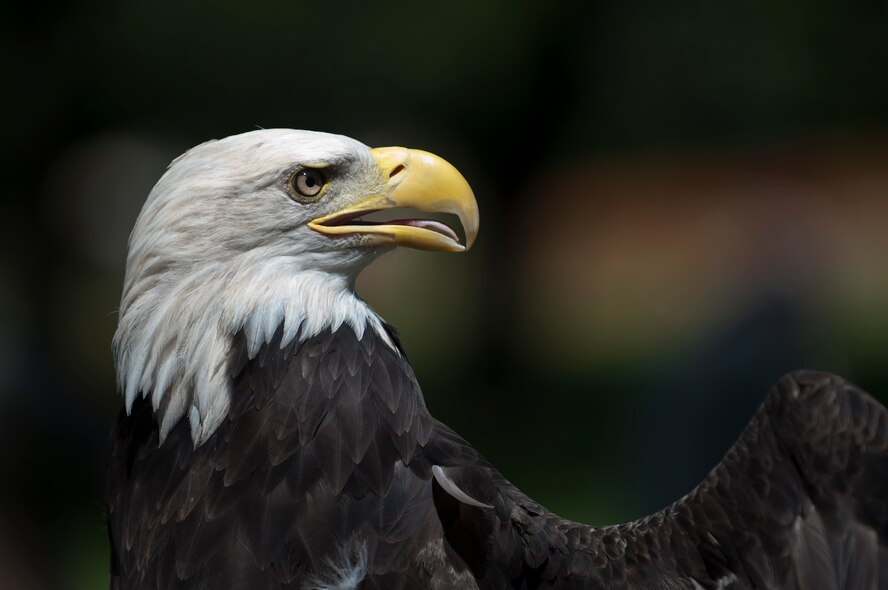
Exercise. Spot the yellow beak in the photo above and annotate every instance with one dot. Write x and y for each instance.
(413, 179)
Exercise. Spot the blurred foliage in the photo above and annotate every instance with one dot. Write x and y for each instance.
(100, 95)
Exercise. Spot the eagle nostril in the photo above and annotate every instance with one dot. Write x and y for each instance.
(396, 171)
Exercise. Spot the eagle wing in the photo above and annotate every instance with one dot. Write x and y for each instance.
(800, 501)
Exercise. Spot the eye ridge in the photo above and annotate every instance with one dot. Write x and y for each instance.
(307, 184)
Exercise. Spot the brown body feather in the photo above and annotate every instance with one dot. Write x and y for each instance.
(325, 461)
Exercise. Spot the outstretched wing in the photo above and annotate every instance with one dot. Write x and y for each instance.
(799, 502)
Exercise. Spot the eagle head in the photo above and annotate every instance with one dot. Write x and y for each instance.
(259, 232)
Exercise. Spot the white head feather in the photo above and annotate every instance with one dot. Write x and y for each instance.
(220, 247)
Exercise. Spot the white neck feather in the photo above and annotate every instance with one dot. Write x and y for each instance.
(176, 329)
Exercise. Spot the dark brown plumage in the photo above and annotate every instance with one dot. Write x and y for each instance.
(327, 456)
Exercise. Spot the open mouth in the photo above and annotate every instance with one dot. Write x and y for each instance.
(359, 222)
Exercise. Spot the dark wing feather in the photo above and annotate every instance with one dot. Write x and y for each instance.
(799, 501)
(329, 441)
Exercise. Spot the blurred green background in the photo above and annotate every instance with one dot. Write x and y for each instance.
(680, 202)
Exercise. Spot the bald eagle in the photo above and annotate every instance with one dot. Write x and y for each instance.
(275, 436)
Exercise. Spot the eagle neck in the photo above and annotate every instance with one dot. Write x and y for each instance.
(175, 336)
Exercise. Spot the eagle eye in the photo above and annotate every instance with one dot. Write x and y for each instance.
(307, 184)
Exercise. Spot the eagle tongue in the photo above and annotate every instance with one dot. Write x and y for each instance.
(429, 224)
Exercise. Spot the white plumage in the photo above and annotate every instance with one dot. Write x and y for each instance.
(218, 247)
